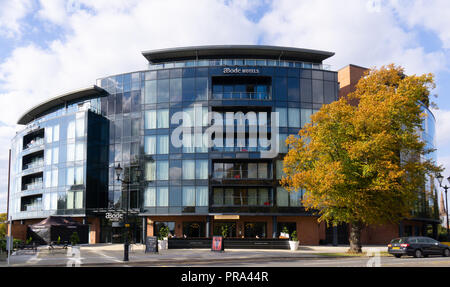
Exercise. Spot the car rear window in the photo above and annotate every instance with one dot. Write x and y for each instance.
(399, 240)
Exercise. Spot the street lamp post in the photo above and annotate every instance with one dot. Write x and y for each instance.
(445, 187)
(119, 171)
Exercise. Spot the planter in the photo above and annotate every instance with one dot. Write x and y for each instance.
(293, 245)
(163, 244)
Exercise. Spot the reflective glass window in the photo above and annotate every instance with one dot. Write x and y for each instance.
(150, 144)
(188, 169)
(150, 171)
(150, 92)
(163, 118)
(150, 119)
(162, 170)
(282, 197)
(163, 144)
(294, 117)
(150, 197)
(163, 91)
(201, 196)
(188, 196)
(282, 117)
(162, 196)
(175, 90)
(201, 169)
(305, 116)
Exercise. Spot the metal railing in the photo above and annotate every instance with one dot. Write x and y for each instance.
(241, 95)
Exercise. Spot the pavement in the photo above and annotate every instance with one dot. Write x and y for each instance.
(112, 255)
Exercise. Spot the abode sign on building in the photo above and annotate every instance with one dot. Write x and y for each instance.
(240, 71)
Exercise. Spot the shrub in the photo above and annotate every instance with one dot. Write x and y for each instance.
(294, 236)
(74, 239)
(163, 232)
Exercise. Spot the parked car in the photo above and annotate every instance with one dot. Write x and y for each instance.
(417, 246)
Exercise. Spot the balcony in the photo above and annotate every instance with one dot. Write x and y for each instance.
(32, 181)
(33, 160)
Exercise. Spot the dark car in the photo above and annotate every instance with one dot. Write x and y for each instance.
(417, 246)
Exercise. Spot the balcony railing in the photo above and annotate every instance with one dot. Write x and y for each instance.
(34, 185)
(241, 95)
(34, 143)
(35, 164)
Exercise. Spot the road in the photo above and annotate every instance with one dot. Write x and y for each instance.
(385, 261)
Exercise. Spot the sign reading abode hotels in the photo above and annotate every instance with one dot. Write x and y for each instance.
(240, 70)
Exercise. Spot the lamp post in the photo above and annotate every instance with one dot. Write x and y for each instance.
(445, 187)
(119, 171)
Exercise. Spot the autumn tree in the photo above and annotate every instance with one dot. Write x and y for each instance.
(3, 225)
(364, 164)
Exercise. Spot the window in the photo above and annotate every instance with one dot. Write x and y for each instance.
(79, 151)
(80, 125)
(282, 197)
(188, 196)
(175, 90)
(70, 152)
(71, 129)
(163, 119)
(294, 117)
(201, 196)
(286, 198)
(49, 134)
(163, 144)
(163, 91)
(201, 169)
(150, 196)
(150, 119)
(305, 116)
(162, 197)
(150, 92)
(188, 169)
(263, 170)
(279, 167)
(55, 152)
(282, 117)
(150, 171)
(162, 170)
(75, 199)
(218, 196)
(150, 144)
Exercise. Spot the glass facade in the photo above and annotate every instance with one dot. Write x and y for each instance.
(63, 161)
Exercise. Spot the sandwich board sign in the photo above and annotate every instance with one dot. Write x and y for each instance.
(217, 244)
(151, 244)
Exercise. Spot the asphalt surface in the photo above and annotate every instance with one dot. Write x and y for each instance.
(306, 256)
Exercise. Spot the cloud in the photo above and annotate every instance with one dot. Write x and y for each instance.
(11, 13)
(432, 15)
(356, 32)
(442, 127)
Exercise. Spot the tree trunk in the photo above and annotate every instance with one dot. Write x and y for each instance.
(355, 237)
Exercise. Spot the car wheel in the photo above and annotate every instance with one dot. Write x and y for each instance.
(418, 253)
(398, 255)
(446, 252)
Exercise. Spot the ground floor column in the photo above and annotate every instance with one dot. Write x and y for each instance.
(208, 223)
(335, 235)
(274, 227)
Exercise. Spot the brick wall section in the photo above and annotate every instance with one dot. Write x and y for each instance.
(94, 230)
(348, 77)
(379, 234)
(308, 229)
